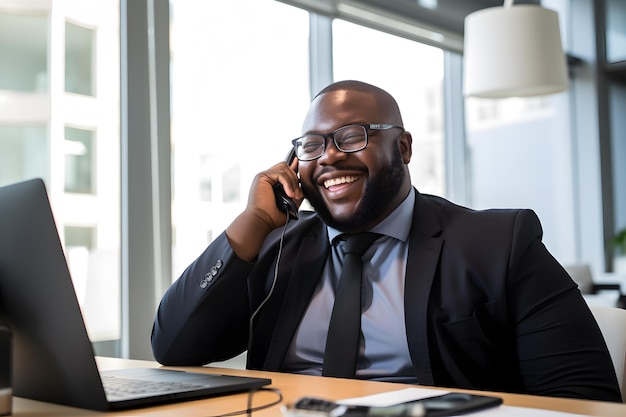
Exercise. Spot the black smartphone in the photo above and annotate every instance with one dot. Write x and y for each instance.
(282, 201)
(451, 404)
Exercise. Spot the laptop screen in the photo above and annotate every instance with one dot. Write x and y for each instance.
(53, 359)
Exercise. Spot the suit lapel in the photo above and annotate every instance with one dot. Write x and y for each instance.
(305, 272)
(424, 250)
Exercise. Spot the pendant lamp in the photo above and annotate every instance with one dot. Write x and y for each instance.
(513, 51)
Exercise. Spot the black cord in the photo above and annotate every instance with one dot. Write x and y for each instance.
(269, 294)
(251, 409)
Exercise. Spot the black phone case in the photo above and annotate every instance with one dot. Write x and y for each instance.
(285, 203)
(453, 404)
(282, 201)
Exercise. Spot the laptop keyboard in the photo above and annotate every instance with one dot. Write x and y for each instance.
(118, 388)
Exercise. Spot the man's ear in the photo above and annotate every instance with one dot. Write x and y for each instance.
(406, 147)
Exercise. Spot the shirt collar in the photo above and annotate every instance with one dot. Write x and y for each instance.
(394, 225)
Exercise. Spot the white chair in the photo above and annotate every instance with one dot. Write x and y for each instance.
(612, 322)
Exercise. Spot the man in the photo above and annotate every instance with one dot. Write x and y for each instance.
(451, 296)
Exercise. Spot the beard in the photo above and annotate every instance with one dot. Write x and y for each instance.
(378, 192)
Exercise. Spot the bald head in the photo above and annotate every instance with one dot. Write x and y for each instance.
(353, 85)
(384, 97)
(375, 99)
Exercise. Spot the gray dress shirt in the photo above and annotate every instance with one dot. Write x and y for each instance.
(383, 348)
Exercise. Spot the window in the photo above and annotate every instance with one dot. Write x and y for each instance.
(413, 74)
(46, 132)
(615, 30)
(79, 161)
(23, 51)
(23, 153)
(520, 154)
(79, 55)
(237, 101)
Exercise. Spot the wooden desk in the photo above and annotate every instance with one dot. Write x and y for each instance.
(292, 388)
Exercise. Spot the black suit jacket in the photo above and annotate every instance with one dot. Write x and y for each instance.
(486, 305)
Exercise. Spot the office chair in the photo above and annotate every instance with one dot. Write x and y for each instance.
(612, 322)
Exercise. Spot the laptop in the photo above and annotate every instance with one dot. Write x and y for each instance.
(53, 359)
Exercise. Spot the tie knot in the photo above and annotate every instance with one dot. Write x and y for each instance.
(358, 244)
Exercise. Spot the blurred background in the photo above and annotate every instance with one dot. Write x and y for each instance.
(148, 119)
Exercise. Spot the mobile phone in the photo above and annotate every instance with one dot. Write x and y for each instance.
(282, 201)
(450, 404)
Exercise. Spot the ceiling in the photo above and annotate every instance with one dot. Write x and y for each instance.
(443, 18)
(447, 14)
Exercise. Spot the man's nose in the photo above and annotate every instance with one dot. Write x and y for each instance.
(331, 153)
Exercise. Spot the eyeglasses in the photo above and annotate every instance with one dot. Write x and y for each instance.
(350, 138)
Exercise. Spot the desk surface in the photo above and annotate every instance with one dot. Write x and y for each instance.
(292, 387)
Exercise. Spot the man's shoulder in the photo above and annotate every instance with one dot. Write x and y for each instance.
(453, 216)
(448, 208)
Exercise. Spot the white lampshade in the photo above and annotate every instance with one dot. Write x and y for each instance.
(513, 51)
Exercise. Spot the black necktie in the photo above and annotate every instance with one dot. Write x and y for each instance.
(342, 343)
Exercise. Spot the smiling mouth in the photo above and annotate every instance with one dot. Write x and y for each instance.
(341, 180)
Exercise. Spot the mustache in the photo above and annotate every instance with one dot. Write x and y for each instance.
(335, 168)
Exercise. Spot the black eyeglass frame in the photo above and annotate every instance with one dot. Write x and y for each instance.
(366, 127)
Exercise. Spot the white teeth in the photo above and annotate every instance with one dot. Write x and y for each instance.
(340, 180)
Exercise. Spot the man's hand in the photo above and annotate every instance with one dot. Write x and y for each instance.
(248, 231)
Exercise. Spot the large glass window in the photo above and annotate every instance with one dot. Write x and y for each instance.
(240, 92)
(413, 74)
(520, 156)
(46, 132)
